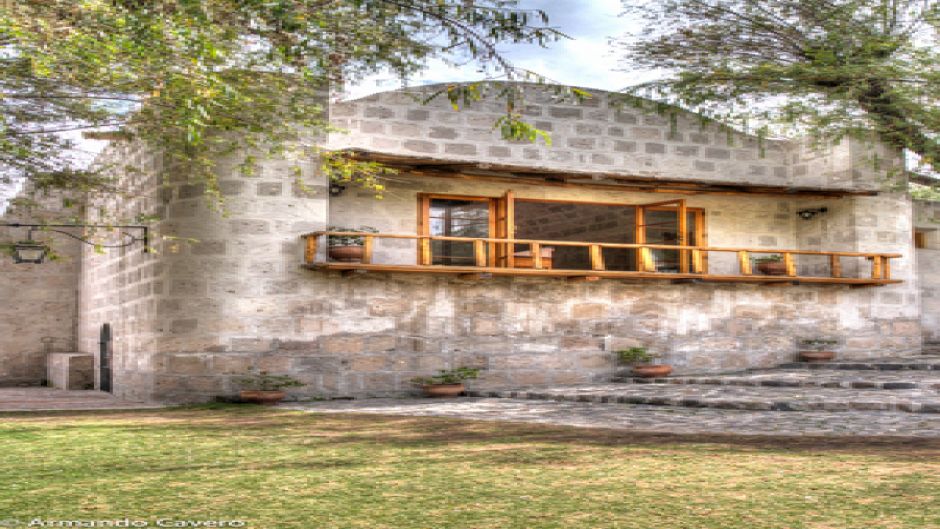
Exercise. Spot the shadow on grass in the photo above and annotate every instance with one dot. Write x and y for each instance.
(257, 424)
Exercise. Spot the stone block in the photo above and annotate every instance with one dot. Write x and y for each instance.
(270, 189)
(418, 115)
(343, 345)
(565, 112)
(625, 146)
(184, 325)
(379, 112)
(275, 364)
(366, 364)
(704, 166)
(380, 343)
(188, 364)
(499, 152)
(460, 148)
(230, 188)
(588, 310)
(420, 146)
(718, 154)
(446, 133)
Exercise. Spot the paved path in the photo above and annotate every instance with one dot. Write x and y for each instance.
(881, 397)
(48, 399)
(736, 397)
(642, 418)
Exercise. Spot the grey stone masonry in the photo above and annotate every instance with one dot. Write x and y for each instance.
(912, 388)
(603, 134)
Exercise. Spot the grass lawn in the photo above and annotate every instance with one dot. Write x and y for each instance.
(272, 469)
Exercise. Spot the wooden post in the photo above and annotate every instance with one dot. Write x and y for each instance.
(698, 265)
(876, 267)
(790, 265)
(597, 257)
(536, 250)
(424, 258)
(366, 249)
(835, 265)
(310, 252)
(646, 260)
(683, 236)
(479, 252)
(744, 263)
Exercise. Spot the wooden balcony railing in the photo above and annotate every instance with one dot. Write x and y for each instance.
(691, 264)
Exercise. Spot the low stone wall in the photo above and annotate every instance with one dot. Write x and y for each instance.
(389, 328)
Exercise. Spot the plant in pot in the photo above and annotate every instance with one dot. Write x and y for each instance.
(347, 248)
(447, 382)
(771, 265)
(264, 388)
(640, 361)
(817, 350)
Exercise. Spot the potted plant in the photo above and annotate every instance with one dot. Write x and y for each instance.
(264, 388)
(447, 383)
(640, 361)
(347, 248)
(817, 350)
(771, 265)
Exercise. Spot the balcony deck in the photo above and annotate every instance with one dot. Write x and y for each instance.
(692, 261)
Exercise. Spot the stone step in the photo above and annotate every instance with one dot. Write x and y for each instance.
(914, 363)
(734, 397)
(881, 380)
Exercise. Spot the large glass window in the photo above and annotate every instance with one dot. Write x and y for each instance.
(490, 217)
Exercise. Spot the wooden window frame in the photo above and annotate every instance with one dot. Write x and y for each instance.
(424, 214)
(701, 233)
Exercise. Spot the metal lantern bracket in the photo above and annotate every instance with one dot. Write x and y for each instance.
(145, 238)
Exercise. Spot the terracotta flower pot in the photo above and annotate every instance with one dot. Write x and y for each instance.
(346, 254)
(264, 397)
(817, 356)
(772, 268)
(443, 390)
(652, 370)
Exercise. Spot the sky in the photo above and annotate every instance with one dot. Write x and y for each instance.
(586, 59)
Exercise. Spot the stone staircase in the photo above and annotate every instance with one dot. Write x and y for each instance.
(909, 384)
(931, 348)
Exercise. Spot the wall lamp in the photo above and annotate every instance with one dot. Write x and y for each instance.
(807, 214)
(336, 189)
(33, 252)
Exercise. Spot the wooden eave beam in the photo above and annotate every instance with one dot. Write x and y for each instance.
(421, 166)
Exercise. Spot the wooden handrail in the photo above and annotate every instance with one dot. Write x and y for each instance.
(601, 244)
(646, 265)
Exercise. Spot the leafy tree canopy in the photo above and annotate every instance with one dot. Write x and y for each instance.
(186, 75)
(827, 67)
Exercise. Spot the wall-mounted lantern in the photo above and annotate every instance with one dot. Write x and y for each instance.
(34, 252)
(807, 214)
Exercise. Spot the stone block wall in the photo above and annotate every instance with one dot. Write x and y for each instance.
(120, 286)
(601, 135)
(927, 219)
(38, 303)
(191, 320)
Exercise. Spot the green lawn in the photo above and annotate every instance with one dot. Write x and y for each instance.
(274, 469)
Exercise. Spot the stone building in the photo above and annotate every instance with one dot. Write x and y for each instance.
(598, 212)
